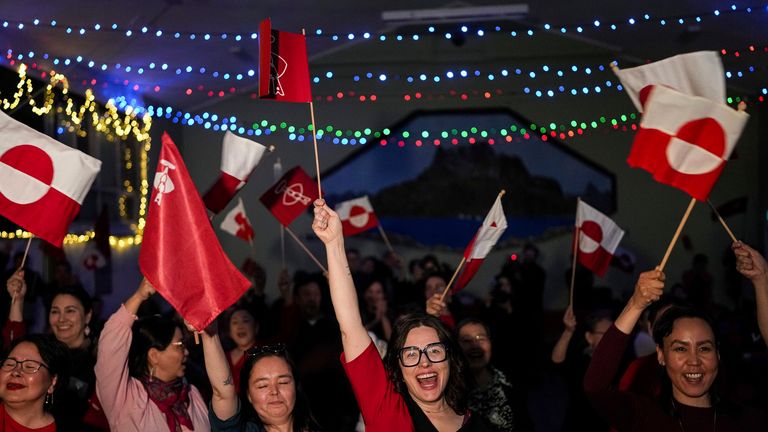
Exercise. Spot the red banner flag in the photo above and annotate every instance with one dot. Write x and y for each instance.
(684, 140)
(283, 65)
(357, 216)
(599, 236)
(239, 157)
(42, 182)
(290, 196)
(485, 239)
(180, 254)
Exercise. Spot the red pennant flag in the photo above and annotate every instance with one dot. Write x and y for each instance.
(684, 140)
(695, 74)
(42, 182)
(236, 222)
(290, 196)
(357, 216)
(180, 254)
(239, 157)
(599, 236)
(487, 235)
(283, 65)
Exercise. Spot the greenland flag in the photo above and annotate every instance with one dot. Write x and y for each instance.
(239, 157)
(684, 140)
(599, 236)
(493, 227)
(356, 216)
(42, 181)
(236, 223)
(695, 74)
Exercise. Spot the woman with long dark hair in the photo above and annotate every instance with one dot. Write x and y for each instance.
(687, 350)
(421, 384)
(270, 397)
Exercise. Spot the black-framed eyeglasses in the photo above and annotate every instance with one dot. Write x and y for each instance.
(411, 356)
(27, 366)
(277, 349)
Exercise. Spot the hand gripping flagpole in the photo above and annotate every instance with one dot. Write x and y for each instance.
(311, 255)
(23, 261)
(461, 263)
(677, 234)
(314, 138)
(576, 240)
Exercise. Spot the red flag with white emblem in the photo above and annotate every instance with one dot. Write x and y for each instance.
(684, 140)
(485, 239)
(239, 157)
(180, 254)
(290, 196)
(283, 65)
(42, 182)
(695, 74)
(599, 236)
(236, 222)
(356, 216)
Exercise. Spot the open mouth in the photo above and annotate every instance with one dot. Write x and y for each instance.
(14, 386)
(693, 378)
(427, 381)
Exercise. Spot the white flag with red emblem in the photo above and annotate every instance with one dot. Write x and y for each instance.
(239, 157)
(485, 239)
(356, 215)
(599, 236)
(696, 74)
(42, 182)
(236, 223)
(684, 140)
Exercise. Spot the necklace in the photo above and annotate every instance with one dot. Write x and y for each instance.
(680, 418)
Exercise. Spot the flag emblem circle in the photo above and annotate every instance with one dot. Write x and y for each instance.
(590, 236)
(358, 216)
(698, 147)
(30, 171)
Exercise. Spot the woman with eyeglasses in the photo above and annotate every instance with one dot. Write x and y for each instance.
(421, 384)
(30, 380)
(140, 373)
(69, 314)
(270, 398)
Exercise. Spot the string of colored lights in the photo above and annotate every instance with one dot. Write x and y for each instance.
(594, 25)
(108, 122)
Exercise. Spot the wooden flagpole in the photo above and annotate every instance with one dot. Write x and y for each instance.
(448, 287)
(277, 172)
(23, 261)
(386, 240)
(314, 138)
(722, 222)
(576, 241)
(677, 234)
(282, 244)
(311, 255)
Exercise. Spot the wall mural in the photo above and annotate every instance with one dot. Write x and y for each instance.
(437, 195)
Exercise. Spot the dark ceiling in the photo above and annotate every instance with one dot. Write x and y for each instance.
(163, 60)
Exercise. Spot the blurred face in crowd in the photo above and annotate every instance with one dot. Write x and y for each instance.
(242, 328)
(353, 260)
(68, 319)
(308, 300)
(433, 284)
(594, 337)
(373, 294)
(476, 344)
(427, 379)
(691, 360)
(169, 363)
(272, 390)
(18, 385)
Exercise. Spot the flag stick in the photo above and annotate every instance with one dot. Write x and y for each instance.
(677, 234)
(311, 255)
(573, 265)
(722, 222)
(282, 244)
(314, 139)
(386, 240)
(23, 261)
(448, 287)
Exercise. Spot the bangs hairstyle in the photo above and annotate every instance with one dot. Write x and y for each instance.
(666, 322)
(303, 420)
(457, 386)
(76, 291)
(154, 331)
(55, 355)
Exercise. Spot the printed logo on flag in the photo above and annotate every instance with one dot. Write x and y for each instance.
(599, 236)
(356, 215)
(290, 196)
(236, 222)
(283, 65)
(163, 182)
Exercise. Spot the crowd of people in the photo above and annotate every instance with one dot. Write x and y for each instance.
(372, 345)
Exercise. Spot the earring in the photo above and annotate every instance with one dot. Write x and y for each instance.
(48, 399)
(151, 373)
(87, 330)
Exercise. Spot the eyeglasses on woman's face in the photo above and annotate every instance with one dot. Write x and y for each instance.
(27, 366)
(411, 356)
